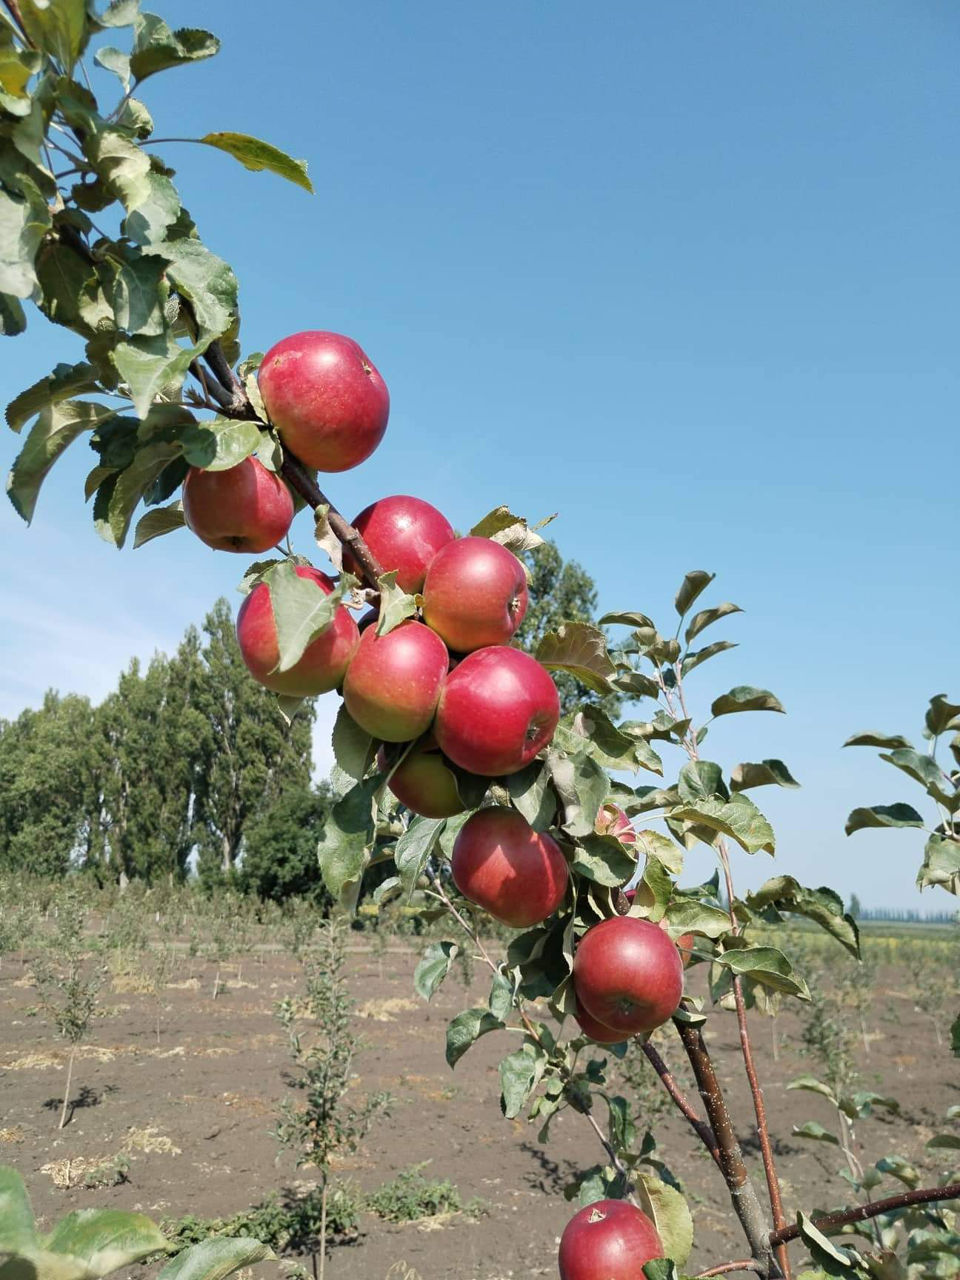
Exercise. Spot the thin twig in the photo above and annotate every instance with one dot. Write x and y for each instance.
(746, 1264)
(827, 1221)
(700, 1127)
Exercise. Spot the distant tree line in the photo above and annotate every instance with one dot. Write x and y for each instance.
(189, 763)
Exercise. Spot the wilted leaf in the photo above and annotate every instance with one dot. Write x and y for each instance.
(580, 649)
(512, 532)
(941, 864)
(257, 155)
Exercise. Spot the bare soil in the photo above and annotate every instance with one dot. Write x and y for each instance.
(193, 1113)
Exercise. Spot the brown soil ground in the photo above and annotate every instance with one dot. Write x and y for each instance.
(194, 1113)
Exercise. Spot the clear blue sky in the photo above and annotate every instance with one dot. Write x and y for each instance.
(685, 273)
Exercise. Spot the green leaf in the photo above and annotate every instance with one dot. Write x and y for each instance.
(700, 621)
(217, 444)
(138, 295)
(696, 581)
(106, 1239)
(257, 155)
(301, 610)
(533, 796)
(870, 738)
(822, 905)
(501, 997)
(395, 605)
(119, 13)
(815, 1131)
(670, 1214)
(582, 786)
(812, 1085)
(150, 222)
(433, 967)
(944, 1141)
(23, 224)
(465, 1029)
(116, 61)
(923, 770)
(660, 1269)
(604, 860)
(57, 426)
(834, 1260)
(612, 748)
(414, 848)
(745, 698)
(352, 746)
(17, 1233)
(580, 649)
(883, 815)
(737, 817)
(520, 1073)
(348, 835)
(206, 280)
(699, 780)
(157, 48)
(626, 620)
(66, 381)
(942, 715)
(693, 660)
(764, 965)
(762, 774)
(119, 496)
(900, 1169)
(941, 864)
(59, 28)
(157, 522)
(637, 684)
(123, 166)
(13, 319)
(689, 915)
(654, 845)
(151, 366)
(214, 1259)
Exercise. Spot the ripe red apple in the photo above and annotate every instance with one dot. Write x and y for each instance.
(612, 821)
(515, 873)
(245, 508)
(596, 1030)
(627, 974)
(424, 781)
(474, 594)
(325, 659)
(685, 944)
(608, 1240)
(325, 398)
(498, 708)
(404, 534)
(393, 681)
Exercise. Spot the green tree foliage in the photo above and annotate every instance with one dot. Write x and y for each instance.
(280, 846)
(253, 756)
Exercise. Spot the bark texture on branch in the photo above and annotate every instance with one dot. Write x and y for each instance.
(863, 1212)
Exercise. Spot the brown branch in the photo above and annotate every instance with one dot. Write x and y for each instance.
(827, 1221)
(700, 1127)
(297, 476)
(14, 9)
(211, 386)
(747, 1264)
(742, 1191)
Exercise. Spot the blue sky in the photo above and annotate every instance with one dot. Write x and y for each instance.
(686, 274)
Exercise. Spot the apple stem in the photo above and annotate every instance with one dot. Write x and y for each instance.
(742, 1191)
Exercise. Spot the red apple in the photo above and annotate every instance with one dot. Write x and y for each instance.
(424, 781)
(393, 682)
(474, 594)
(627, 974)
(612, 821)
(608, 1240)
(325, 398)
(245, 508)
(325, 659)
(404, 534)
(596, 1030)
(515, 873)
(685, 945)
(498, 708)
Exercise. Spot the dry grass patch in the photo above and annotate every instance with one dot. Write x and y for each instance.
(150, 1141)
(385, 1010)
